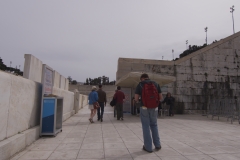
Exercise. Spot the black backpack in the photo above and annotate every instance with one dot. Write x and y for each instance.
(113, 102)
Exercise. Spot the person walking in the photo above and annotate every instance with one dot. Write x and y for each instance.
(92, 98)
(150, 94)
(169, 100)
(102, 100)
(120, 97)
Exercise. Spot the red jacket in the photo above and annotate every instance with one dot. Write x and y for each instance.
(119, 96)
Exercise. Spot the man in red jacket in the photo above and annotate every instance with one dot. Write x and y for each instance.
(120, 97)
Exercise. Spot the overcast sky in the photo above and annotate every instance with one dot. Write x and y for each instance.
(85, 38)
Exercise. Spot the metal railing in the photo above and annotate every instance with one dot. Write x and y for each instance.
(228, 108)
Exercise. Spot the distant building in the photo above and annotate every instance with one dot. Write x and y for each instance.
(207, 74)
(80, 83)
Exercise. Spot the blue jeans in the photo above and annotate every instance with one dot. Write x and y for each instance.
(100, 115)
(149, 122)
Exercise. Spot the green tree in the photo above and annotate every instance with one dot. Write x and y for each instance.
(69, 79)
(74, 82)
(87, 83)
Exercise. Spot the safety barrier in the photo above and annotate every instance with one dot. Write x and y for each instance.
(228, 108)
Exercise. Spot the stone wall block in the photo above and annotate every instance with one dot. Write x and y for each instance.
(56, 81)
(66, 84)
(220, 64)
(125, 66)
(178, 98)
(229, 59)
(5, 94)
(188, 70)
(219, 58)
(209, 55)
(232, 72)
(137, 67)
(200, 70)
(197, 85)
(68, 99)
(227, 45)
(199, 77)
(185, 63)
(231, 65)
(210, 64)
(198, 57)
(18, 143)
(32, 68)
(62, 82)
(186, 98)
(76, 101)
(182, 91)
(197, 63)
(237, 43)
(180, 69)
(234, 86)
(24, 110)
(5, 147)
(182, 77)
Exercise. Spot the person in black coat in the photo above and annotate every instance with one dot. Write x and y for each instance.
(169, 100)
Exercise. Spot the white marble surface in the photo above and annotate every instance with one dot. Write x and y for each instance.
(62, 82)
(24, 107)
(56, 82)
(85, 100)
(32, 68)
(5, 148)
(66, 84)
(31, 135)
(18, 143)
(5, 85)
(68, 99)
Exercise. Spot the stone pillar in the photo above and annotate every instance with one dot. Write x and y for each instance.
(76, 101)
(83, 101)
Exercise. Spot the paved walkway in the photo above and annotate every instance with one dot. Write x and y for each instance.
(183, 137)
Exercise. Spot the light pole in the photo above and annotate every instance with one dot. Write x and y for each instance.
(186, 44)
(10, 63)
(162, 57)
(206, 34)
(173, 54)
(19, 67)
(232, 10)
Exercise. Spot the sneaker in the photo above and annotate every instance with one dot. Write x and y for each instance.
(101, 119)
(158, 148)
(147, 150)
(121, 118)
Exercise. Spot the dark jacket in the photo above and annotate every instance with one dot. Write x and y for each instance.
(169, 100)
(102, 98)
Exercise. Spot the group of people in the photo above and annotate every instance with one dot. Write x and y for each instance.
(148, 101)
(100, 97)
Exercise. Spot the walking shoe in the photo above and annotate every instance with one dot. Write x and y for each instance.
(146, 150)
(101, 119)
(90, 120)
(121, 118)
(158, 148)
